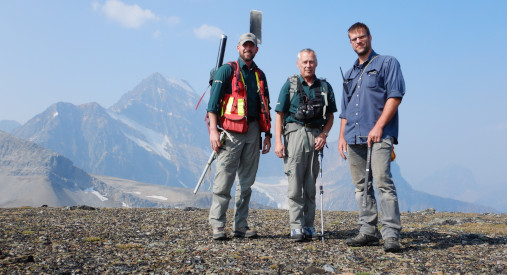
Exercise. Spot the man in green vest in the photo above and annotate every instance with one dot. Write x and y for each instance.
(304, 115)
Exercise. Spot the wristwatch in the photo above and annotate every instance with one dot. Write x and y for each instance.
(325, 133)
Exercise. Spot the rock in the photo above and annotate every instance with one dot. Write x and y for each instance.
(429, 211)
(329, 268)
(80, 207)
(313, 270)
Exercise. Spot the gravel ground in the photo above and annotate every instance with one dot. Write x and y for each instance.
(83, 240)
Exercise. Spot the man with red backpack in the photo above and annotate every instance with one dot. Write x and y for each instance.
(239, 105)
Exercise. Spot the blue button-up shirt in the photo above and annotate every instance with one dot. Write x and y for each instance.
(362, 105)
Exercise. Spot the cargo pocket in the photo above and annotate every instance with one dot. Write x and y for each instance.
(288, 160)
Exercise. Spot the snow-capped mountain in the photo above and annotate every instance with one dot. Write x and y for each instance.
(151, 135)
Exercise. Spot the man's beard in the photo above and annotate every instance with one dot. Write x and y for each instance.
(247, 59)
(365, 50)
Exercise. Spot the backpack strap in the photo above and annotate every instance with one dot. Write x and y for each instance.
(295, 85)
(324, 92)
(235, 74)
(236, 78)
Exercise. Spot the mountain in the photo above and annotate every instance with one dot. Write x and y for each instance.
(31, 175)
(339, 190)
(464, 188)
(459, 183)
(154, 135)
(9, 125)
(151, 135)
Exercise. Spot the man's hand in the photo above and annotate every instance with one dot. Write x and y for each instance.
(342, 144)
(214, 140)
(214, 135)
(267, 145)
(320, 141)
(342, 148)
(279, 150)
(375, 135)
(390, 108)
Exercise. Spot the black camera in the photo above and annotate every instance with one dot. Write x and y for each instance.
(305, 112)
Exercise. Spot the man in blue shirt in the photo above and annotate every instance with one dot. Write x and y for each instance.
(369, 117)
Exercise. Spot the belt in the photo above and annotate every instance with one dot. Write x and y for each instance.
(312, 126)
(305, 129)
(251, 119)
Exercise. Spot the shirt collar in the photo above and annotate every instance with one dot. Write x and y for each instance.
(372, 55)
(243, 66)
(315, 81)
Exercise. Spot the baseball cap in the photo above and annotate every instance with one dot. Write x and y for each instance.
(248, 37)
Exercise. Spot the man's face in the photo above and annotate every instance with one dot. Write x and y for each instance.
(307, 63)
(247, 51)
(360, 41)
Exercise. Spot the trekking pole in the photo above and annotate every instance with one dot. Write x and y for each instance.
(367, 175)
(321, 187)
(212, 157)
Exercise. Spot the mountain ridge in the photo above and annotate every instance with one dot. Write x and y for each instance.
(154, 135)
(31, 175)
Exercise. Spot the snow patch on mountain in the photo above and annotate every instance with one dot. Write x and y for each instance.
(275, 192)
(162, 198)
(97, 194)
(154, 142)
(158, 110)
(179, 83)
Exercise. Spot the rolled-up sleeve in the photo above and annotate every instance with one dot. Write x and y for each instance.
(394, 82)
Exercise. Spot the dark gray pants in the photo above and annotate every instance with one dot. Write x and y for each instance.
(382, 178)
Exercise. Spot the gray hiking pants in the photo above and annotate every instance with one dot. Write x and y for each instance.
(239, 156)
(381, 174)
(301, 165)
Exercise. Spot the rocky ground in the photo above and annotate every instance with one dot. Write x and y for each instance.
(84, 240)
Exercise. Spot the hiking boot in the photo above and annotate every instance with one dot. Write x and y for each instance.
(309, 232)
(297, 235)
(219, 234)
(391, 244)
(362, 240)
(245, 233)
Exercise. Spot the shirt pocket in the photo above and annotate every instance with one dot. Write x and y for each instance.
(371, 78)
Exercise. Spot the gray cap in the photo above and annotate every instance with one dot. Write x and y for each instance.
(248, 37)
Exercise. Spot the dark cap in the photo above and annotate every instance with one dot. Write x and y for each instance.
(248, 37)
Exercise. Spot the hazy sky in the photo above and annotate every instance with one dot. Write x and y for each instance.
(452, 55)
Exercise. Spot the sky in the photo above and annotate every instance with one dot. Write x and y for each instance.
(452, 54)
